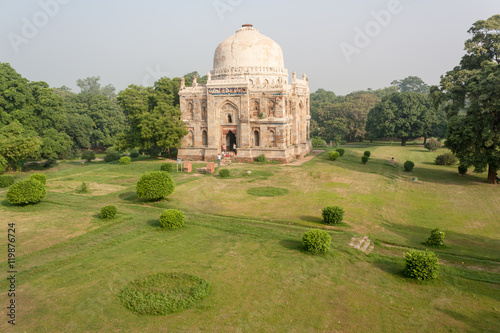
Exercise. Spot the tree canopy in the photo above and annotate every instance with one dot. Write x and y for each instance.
(470, 96)
(154, 116)
(411, 83)
(401, 115)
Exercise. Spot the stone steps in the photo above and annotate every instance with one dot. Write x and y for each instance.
(363, 244)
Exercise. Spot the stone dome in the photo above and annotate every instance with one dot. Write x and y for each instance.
(248, 50)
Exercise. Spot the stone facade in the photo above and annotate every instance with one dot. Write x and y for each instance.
(247, 101)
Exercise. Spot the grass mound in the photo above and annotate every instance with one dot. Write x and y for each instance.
(267, 191)
(163, 293)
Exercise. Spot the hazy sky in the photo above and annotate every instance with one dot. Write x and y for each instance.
(341, 45)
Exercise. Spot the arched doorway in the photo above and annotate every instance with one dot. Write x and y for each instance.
(230, 140)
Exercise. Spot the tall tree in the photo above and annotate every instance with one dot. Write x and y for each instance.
(470, 96)
(17, 143)
(154, 117)
(400, 115)
(411, 83)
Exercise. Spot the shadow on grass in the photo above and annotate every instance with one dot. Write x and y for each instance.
(311, 218)
(154, 223)
(6, 203)
(129, 196)
(292, 244)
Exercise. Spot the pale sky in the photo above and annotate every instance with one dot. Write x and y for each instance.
(341, 45)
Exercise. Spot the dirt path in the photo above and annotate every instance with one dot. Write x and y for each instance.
(313, 154)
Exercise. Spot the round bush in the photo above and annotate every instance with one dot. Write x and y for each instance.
(3, 164)
(364, 159)
(261, 158)
(436, 237)
(134, 153)
(88, 155)
(6, 180)
(333, 155)
(40, 177)
(318, 142)
(224, 173)
(332, 214)
(111, 156)
(155, 185)
(433, 145)
(163, 293)
(341, 151)
(125, 160)
(316, 241)
(367, 153)
(445, 159)
(108, 212)
(26, 191)
(166, 167)
(421, 265)
(462, 169)
(172, 219)
(409, 165)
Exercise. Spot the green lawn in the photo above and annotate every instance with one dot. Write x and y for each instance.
(243, 234)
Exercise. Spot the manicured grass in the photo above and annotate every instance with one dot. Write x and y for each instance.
(267, 191)
(72, 266)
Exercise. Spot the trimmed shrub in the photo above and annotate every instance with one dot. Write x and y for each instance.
(155, 185)
(166, 167)
(364, 159)
(409, 165)
(172, 219)
(462, 169)
(318, 142)
(3, 164)
(224, 173)
(341, 151)
(134, 153)
(6, 180)
(26, 191)
(367, 153)
(333, 155)
(316, 241)
(446, 159)
(40, 177)
(88, 155)
(332, 214)
(111, 155)
(421, 265)
(108, 212)
(433, 145)
(125, 160)
(436, 237)
(260, 158)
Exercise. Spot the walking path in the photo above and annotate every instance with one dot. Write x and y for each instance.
(301, 161)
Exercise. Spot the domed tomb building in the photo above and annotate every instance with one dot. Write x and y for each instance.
(249, 102)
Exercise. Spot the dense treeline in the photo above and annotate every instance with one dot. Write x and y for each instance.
(403, 111)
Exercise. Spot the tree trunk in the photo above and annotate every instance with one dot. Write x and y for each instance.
(425, 140)
(492, 174)
(169, 155)
(403, 141)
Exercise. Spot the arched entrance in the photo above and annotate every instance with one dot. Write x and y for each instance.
(230, 140)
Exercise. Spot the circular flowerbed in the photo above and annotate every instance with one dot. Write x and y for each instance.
(267, 191)
(163, 293)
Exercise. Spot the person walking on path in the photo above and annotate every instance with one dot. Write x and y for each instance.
(234, 148)
(218, 159)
